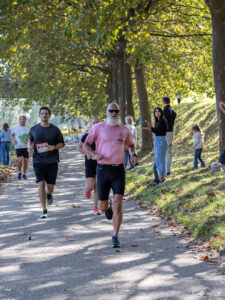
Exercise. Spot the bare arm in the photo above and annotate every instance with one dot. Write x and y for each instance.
(13, 138)
(90, 152)
(133, 154)
(81, 148)
(55, 147)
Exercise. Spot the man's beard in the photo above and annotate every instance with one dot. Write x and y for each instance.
(113, 121)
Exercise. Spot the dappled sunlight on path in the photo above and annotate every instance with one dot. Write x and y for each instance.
(69, 255)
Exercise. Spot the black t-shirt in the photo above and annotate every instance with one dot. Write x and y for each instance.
(161, 128)
(87, 161)
(42, 137)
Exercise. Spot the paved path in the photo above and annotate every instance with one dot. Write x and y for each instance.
(69, 255)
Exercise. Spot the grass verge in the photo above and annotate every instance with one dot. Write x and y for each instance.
(194, 197)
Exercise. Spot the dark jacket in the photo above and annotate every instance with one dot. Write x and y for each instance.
(160, 128)
(222, 157)
(170, 116)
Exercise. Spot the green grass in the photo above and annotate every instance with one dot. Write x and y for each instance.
(195, 197)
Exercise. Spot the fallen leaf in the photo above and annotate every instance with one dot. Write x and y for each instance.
(203, 258)
(188, 204)
(178, 188)
(75, 206)
(211, 194)
(134, 245)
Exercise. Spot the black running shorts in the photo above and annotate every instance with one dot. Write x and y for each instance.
(109, 176)
(47, 172)
(90, 168)
(22, 152)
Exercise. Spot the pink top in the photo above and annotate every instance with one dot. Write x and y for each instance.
(110, 142)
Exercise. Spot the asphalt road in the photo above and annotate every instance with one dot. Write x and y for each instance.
(69, 255)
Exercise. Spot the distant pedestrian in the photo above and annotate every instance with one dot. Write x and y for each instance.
(20, 135)
(5, 135)
(160, 145)
(1, 161)
(45, 140)
(198, 145)
(90, 170)
(178, 98)
(130, 125)
(170, 116)
(111, 138)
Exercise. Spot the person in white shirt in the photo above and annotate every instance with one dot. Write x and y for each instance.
(198, 145)
(130, 125)
(20, 135)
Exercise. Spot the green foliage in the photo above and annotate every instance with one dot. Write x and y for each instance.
(59, 52)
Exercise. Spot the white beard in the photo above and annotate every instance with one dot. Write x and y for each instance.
(113, 121)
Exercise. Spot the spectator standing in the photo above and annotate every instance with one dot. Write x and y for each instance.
(198, 145)
(20, 135)
(5, 136)
(160, 145)
(130, 125)
(170, 116)
(1, 161)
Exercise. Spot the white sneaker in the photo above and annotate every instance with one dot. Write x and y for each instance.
(44, 214)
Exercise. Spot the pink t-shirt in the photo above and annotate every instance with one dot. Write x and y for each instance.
(110, 142)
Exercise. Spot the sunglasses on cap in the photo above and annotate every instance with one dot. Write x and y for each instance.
(113, 110)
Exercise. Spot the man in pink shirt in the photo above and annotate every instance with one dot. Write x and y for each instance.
(111, 137)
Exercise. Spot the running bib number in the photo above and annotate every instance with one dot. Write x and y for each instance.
(41, 148)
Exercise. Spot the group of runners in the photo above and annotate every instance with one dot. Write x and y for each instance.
(104, 148)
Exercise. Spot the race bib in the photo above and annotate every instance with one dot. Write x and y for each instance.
(41, 148)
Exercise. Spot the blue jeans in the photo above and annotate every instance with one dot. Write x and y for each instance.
(197, 156)
(5, 147)
(160, 148)
(127, 158)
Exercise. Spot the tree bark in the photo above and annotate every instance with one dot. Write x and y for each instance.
(217, 9)
(147, 139)
(115, 77)
(121, 80)
(128, 88)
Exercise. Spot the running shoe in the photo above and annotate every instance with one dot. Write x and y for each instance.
(88, 194)
(115, 242)
(109, 211)
(96, 211)
(49, 198)
(24, 177)
(19, 176)
(44, 214)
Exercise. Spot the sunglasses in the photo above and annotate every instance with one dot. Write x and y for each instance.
(114, 110)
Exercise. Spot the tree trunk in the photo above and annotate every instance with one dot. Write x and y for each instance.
(217, 9)
(147, 139)
(128, 88)
(121, 80)
(115, 77)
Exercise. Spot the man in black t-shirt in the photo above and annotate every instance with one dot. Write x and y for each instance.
(45, 140)
(170, 116)
(90, 171)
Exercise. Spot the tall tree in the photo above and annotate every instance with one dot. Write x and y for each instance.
(217, 9)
